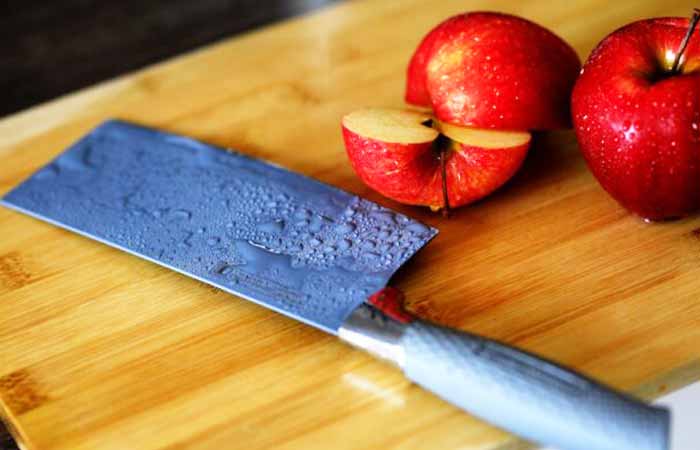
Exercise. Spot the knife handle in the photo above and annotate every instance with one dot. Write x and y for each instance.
(517, 391)
(528, 395)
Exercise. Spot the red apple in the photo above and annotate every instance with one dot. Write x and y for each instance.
(398, 154)
(637, 119)
(416, 90)
(493, 70)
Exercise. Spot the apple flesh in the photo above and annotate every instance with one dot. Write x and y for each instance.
(493, 70)
(398, 154)
(637, 121)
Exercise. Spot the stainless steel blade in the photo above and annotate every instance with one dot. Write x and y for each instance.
(290, 243)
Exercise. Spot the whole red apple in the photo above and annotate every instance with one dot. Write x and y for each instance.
(637, 118)
(402, 154)
(494, 70)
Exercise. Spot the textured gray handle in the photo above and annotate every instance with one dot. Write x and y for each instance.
(528, 396)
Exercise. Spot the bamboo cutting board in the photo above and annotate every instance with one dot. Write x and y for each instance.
(99, 349)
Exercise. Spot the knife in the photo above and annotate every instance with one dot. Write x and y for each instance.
(322, 256)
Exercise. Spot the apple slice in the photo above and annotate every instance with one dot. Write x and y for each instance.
(478, 137)
(401, 153)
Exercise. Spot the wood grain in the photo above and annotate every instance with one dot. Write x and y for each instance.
(99, 349)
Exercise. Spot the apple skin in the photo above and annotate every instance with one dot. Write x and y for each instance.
(494, 70)
(637, 129)
(416, 90)
(411, 173)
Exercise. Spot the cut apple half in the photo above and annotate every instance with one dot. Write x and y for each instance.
(391, 125)
(406, 155)
(479, 137)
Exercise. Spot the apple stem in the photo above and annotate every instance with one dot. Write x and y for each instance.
(686, 39)
(443, 175)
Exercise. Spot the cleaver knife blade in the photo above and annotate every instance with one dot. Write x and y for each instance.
(322, 256)
(278, 238)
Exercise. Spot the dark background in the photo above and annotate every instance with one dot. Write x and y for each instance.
(6, 442)
(53, 47)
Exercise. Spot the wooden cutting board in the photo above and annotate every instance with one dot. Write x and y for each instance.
(99, 349)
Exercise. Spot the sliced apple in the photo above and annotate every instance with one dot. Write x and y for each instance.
(398, 153)
(392, 125)
(479, 137)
